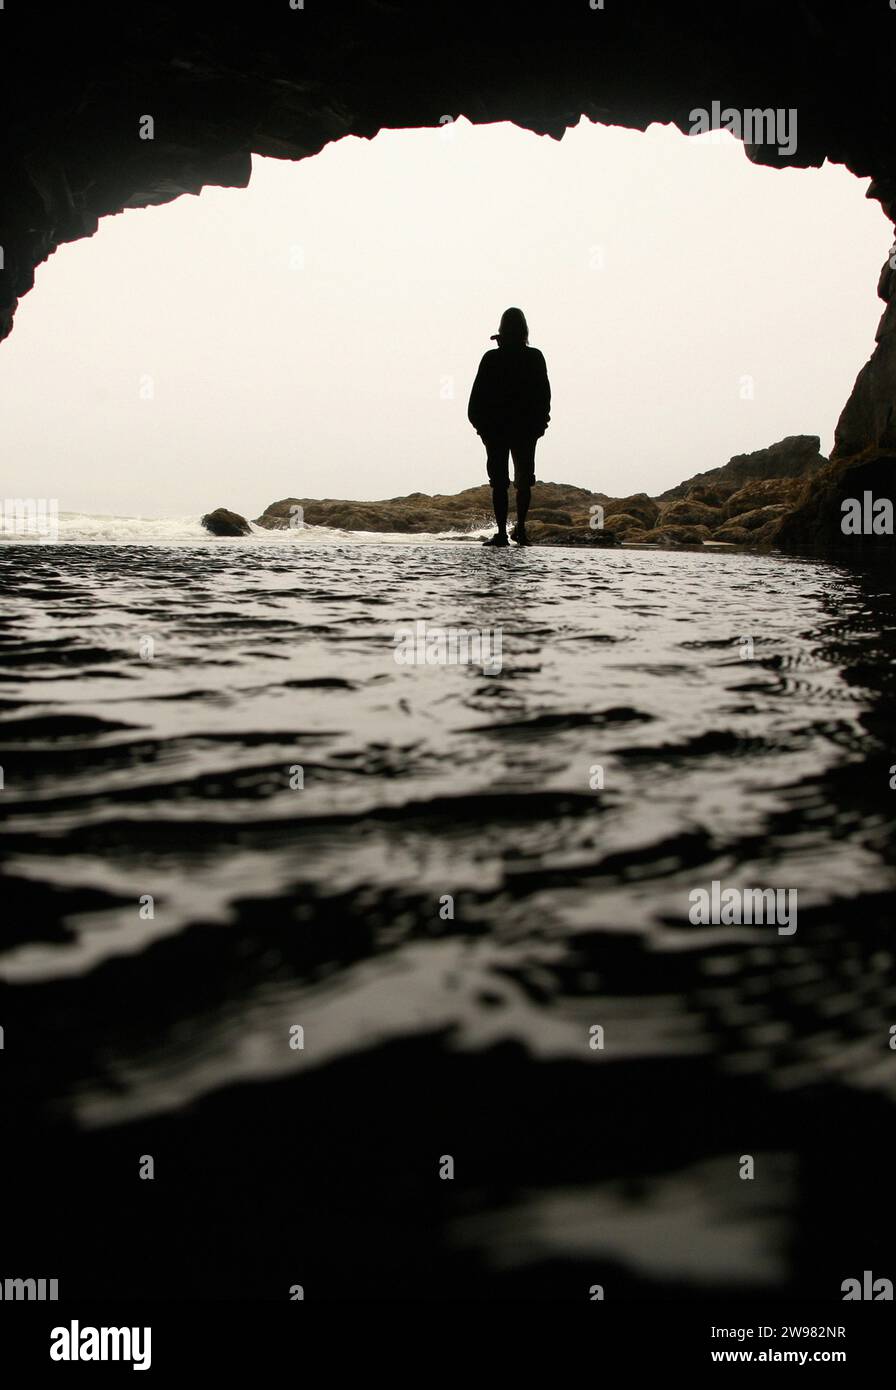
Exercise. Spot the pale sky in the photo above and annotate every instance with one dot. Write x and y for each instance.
(317, 334)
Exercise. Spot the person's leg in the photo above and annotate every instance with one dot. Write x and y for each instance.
(499, 502)
(523, 498)
(499, 477)
(523, 476)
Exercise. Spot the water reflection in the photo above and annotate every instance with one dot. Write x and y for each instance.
(430, 1031)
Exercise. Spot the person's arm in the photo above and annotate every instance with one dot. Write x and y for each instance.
(543, 392)
(479, 396)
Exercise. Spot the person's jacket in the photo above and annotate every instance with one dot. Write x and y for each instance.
(511, 395)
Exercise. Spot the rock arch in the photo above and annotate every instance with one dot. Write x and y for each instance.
(284, 77)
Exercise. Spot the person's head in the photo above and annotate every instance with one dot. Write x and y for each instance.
(514, 330)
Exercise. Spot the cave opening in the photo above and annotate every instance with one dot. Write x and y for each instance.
(438, 812)
(316, 333)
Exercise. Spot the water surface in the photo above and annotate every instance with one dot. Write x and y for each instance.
(476, 870)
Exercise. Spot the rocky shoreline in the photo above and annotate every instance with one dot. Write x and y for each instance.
(743, 503)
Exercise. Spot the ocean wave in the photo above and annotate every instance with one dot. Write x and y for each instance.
(86, 528)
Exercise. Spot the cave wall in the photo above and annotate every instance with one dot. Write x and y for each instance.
(868, 419)
(222, 83)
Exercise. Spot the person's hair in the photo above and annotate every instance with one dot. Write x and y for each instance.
(514, 328)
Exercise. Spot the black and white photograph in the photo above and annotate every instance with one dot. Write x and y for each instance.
(447, 660)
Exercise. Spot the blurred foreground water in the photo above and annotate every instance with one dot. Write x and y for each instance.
(156, 704)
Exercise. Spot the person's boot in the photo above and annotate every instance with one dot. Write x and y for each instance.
(499, 538)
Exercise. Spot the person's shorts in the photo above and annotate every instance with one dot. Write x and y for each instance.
(500, 451)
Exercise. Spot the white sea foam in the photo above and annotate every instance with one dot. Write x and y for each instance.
(83, 528)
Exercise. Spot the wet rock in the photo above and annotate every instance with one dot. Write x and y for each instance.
(278, 516)
(675, 535)
(754, 509)
(760, 516)
(767, 534)
(708, 495)
(817, 523)
(763, 492)
(222, 522)
(620, 523)
(539, 532)
(732, 534)
(797, 456)
(688, 511)
(868, 420)
(640, 506)
(554, 503)
(545, 533)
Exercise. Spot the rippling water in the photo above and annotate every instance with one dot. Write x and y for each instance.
(155, 705)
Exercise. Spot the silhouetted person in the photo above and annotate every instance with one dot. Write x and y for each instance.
(510, 406)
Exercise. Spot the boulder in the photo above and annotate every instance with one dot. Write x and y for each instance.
(586, 536)
(763, 492)
(540, 532)
(760, 516)
(701, 493)
(620, 523)
(767, 534)
(817, 523)
(688, 511)
(732, 534)
(644, 508)
(221, 522)
(545, 533)
(277, 517)
(354, 516)
(797, 456)
(582, 521)
(675, 535)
